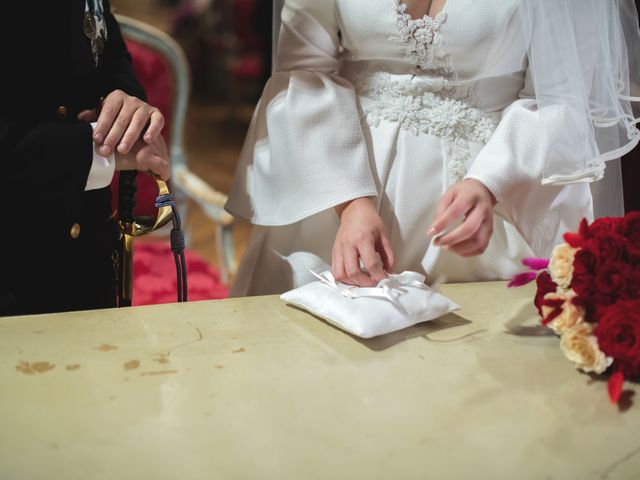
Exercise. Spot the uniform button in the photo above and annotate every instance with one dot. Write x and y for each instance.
(75, 231)
(61, 112)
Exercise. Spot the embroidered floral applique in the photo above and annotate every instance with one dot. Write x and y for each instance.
(421, 39)
(429, 100)
(429, 105)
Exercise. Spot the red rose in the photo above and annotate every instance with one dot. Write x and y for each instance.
(633, 284)
(632, 233)
(633, 253)
(604, 226)
(611, 247)
(585, 265)
(631, 227)
(610, 283)
(611, 278)
(545, 285)
(618, 334)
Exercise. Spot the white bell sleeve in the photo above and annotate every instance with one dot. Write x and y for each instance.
(582, 60)
(305, 151)
(512, 165)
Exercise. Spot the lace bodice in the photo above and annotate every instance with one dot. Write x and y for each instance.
(441, 55)
(461, 37)
(422, 40)
(412, 71)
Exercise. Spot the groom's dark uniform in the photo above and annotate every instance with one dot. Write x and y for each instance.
(56, 240)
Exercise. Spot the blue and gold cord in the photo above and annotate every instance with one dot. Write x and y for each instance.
(177, 244)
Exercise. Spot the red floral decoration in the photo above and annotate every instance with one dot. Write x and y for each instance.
(155, 279)
(590, 295)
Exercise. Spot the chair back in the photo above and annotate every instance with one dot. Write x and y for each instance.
(162, 68)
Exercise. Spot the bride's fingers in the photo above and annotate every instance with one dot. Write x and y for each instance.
(337, 265)
(454, 212)
(440, 222)
(465, 231)
(353, 270)
(372, 262)
(386, 253)
(475, 245)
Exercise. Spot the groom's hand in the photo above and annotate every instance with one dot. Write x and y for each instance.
(146, 157)
(122, 121)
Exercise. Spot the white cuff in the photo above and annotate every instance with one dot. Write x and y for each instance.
(102, 169)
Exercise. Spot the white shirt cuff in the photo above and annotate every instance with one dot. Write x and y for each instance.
(102, 169)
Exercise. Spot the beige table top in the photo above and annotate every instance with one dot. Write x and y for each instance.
(252, 388)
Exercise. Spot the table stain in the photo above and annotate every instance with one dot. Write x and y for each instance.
(34, 368)
(240, 350)
(105, 347)
(131, 364)
(219, 366)
(162, 358)
(71, 368)
(190, 342)
(160, 372)
(38, 331)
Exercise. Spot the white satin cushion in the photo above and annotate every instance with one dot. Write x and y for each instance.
(397, 302)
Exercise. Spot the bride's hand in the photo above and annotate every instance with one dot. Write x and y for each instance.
(361, 236)
(472, 200)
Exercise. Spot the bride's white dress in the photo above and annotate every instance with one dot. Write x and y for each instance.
(367, 101)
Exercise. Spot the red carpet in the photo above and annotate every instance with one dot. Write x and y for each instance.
(154, 276)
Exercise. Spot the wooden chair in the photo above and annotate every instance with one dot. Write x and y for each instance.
(161, 67)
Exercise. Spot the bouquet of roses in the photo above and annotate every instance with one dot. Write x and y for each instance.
(589, 294)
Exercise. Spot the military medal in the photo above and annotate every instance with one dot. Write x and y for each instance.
(95, 27)
(89, 25)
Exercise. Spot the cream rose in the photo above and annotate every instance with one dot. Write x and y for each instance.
(581, 347)
(561, 265)
(570, 316)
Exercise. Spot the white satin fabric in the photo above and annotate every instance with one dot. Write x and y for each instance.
(366, 101)
(397, 302)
